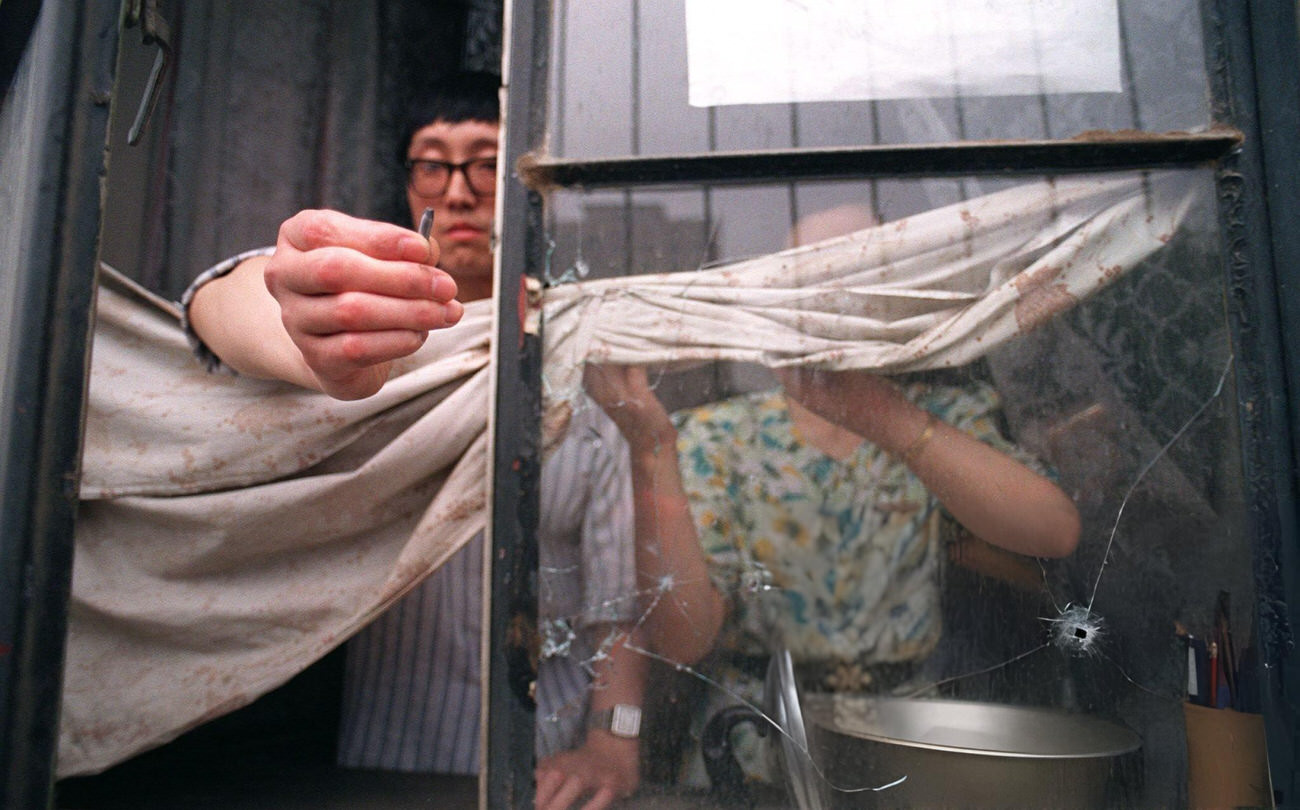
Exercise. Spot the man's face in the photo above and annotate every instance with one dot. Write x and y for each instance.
(462, 219)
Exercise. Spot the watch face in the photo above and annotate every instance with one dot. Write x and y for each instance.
(625, 720)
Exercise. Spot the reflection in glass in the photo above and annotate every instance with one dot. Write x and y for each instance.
(829, 547)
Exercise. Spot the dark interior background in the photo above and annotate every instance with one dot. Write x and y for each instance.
(268, 108)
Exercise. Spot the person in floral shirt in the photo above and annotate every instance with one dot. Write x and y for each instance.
(848, 541)
(809, 517)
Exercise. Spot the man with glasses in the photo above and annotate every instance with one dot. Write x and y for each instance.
(336, 302)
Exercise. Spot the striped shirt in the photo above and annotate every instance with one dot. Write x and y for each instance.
(412, 679)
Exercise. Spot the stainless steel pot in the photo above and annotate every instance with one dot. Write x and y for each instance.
(960, 754)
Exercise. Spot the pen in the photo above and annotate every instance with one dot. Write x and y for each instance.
(1201, 657)
(1214, 673)
(1227, 649)
(426, 223)
(1193, 693)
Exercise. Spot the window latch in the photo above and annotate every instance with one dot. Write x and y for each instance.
(154, 30)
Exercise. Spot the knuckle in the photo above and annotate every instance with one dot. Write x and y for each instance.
(427, 314)
(273, 275)
(394, 242)
(316, 227)
(410, 342)
(315, 355)
(445, 316)
(419, 284)
(444, 286)
(293, 325)
(350, 312)
(353, 350)
(304, 229)
(331, 270)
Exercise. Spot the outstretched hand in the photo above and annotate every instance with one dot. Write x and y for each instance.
(355, 295)
(604, 769)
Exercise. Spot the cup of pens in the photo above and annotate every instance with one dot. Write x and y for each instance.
(1227, 759)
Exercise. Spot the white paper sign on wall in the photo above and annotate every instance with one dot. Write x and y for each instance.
(778, 51)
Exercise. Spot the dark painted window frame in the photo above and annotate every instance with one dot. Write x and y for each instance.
(1254, 61)
(1253, 55)
(58, 219)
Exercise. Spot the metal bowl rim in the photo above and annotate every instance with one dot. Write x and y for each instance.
(1135, 741)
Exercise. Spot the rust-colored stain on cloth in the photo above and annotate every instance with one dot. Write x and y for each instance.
(1109, 274)
(259, 418)
(1041, 304)
(463, 508)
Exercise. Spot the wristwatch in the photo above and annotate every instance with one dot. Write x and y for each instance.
(621, 720)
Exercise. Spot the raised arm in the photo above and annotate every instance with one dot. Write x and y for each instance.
(672, 573)
(994, 496)
(331, 308)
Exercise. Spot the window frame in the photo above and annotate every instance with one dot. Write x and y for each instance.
(57, 219)
(1253, 56)
(1253, 59)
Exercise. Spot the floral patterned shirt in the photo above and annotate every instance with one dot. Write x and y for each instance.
(836, 559)
(839, 558)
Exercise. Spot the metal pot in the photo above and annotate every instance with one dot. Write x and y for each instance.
(960, 754)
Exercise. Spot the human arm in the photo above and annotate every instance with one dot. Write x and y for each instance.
(684, 608)
(987, 560)
(331, 308)
(991, 494)
(606, 767)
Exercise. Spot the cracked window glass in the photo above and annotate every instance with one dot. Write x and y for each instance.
(890, 489)
(900, 492)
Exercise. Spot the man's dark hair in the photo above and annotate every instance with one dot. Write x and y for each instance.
(454, 98)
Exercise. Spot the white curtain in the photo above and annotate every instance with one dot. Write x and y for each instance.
(232, 531)
(934, 290)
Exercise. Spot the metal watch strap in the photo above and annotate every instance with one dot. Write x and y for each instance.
(621, 720)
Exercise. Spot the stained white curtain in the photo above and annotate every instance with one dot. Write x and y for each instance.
(934, 290)
(232, 531)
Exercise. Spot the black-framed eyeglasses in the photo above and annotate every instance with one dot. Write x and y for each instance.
(430, 178)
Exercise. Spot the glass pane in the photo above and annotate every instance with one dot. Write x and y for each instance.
(925, 583)
(622, 75)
